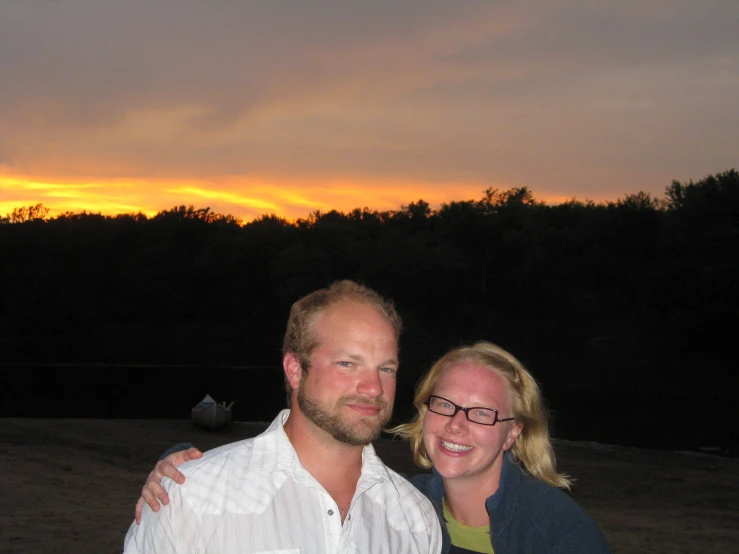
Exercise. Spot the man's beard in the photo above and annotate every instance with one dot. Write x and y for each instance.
(330, 419)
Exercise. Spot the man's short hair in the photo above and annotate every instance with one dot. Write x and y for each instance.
(300, 339)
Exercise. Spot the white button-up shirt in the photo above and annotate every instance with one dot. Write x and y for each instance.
(254, 496)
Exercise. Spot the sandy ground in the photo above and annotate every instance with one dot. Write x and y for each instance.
(70, 485)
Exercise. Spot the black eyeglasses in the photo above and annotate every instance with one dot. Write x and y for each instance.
(482, 416)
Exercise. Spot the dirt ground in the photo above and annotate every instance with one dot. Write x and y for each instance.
(70, 485)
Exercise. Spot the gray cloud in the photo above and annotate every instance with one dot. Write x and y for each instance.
(567, 97)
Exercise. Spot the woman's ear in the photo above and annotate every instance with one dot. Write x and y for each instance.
(513, 433)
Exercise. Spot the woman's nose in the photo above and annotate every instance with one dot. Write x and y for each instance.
(458, 422)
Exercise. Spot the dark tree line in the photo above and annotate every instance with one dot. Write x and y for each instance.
(616, 292)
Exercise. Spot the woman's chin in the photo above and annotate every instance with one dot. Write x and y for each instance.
(450, 469)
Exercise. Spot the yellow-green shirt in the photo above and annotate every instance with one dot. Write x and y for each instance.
(474, 539)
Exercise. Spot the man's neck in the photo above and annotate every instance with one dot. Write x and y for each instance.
(336, 465)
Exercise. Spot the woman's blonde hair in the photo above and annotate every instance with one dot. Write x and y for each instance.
(532, 448)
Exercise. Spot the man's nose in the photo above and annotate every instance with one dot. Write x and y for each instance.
(370, 385)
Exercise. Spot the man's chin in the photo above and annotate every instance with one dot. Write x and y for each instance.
(363, 430)
(357, 438)
(343, 422)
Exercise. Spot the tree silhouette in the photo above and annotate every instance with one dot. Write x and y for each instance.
(614, 281)
(27, 213)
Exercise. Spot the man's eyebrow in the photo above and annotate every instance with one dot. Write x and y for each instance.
(359, 358)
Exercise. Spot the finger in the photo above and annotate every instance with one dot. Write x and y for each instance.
(193, 453)
(158, 492)
(181, 456)
(151, 499)
(165, 469)
(139, 509)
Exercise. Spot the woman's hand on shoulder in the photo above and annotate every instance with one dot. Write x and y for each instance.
(153, 493)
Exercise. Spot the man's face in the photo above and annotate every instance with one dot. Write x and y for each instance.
(350, 387)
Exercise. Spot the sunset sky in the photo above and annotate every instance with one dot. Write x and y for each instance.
(287, 107)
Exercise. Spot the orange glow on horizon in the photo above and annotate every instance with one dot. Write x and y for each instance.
(244, 198)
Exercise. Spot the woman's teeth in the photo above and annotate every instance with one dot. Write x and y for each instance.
(455, 447)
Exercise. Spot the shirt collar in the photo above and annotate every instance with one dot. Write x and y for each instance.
(273, 451)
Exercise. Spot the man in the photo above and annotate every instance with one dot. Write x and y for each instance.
(312, 482)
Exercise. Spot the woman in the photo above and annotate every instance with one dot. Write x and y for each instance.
(481, 426)
(482, 429)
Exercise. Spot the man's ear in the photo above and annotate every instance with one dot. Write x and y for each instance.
(293, 371)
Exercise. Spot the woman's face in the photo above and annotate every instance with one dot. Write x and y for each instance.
(458, 448)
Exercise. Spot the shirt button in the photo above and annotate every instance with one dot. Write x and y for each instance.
(349, 517)
(330, 512)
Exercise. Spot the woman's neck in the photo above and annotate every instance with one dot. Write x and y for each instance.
(465, 499)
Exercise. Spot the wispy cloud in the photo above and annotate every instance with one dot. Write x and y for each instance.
(262, 105)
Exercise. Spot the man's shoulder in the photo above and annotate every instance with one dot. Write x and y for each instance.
(238, 456)
(408, 490)
(213, 475)
(241, 477)
(399, 480)
(224, 458)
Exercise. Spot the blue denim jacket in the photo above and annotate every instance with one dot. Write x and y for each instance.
(526, 516)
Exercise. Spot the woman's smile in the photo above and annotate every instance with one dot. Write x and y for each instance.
(454, 447)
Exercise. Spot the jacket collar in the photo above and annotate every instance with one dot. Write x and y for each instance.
(503, 502)
(501, 505)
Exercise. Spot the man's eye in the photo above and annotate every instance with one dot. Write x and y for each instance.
(345, 364)
(388, 369)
